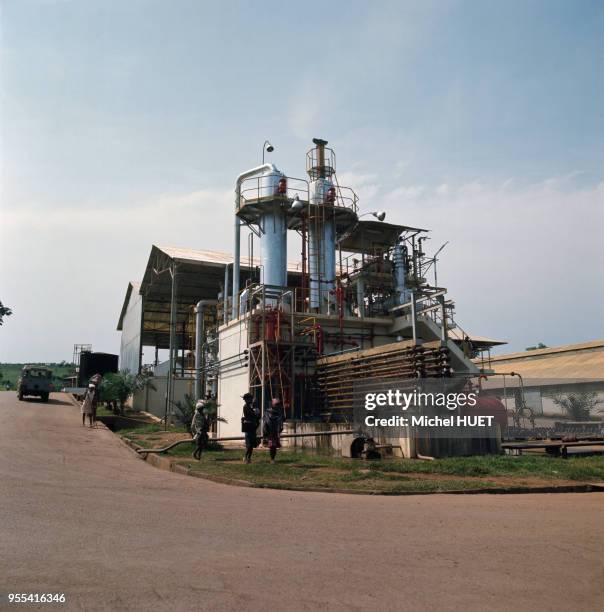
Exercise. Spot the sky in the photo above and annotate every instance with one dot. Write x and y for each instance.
(125, 124)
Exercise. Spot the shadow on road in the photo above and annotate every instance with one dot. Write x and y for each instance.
(52, 400)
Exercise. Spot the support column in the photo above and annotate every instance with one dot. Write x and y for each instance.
(360, 282)
(237, 256)
(444, 332)
(414, 317)
(199, 341)
(172, 347)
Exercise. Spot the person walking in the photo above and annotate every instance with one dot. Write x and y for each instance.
(200, 426)
(272, 426)
(249, 425)
(87, 407)
(96, 381)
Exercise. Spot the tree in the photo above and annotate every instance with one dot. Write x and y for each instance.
(5, 311)
(117, 388)
(580, 405)
(538, 346)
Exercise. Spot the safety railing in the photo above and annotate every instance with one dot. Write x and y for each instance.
(320, 166)
(346, 198)
(272, 186)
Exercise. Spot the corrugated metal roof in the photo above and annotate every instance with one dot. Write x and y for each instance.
(576, 361)
(215, 257)
(457, 334)
(551, 350)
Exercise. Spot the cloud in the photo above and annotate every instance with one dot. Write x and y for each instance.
(366, 186)
(523, 263)
(65, 272)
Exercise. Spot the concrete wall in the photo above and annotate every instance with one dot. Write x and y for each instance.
(233, 381)
(155, 401)
(402, 447)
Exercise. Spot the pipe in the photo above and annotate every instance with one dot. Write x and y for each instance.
(419, 455)
(237, 246)
(145, 451)
(414, 317)
(199, 342)
(225, 295)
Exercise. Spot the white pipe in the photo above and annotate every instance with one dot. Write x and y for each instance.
(225, 295)
(199, 333)
(237, 247)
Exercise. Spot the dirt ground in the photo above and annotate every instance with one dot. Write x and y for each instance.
(81, 515)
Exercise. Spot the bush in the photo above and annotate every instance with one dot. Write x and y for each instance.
(115, 389)
(185, 411)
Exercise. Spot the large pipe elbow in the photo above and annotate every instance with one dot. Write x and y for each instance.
(203, 303)
(236, 251)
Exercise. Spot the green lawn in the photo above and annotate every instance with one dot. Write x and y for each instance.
(305, 470)
(319, 471)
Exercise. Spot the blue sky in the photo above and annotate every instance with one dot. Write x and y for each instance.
(125, 123)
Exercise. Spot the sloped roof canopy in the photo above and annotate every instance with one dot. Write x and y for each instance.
(199, 276)
(367, 236)
(583, 361)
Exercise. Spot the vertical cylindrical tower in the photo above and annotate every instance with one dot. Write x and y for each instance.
(315, 243)
(273, 245)
(273, 231)
(321, 228)
(400, 274)
(329, 265)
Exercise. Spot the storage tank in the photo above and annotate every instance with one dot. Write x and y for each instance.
(273, 230)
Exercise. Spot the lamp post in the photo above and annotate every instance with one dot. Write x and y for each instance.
(268, 148)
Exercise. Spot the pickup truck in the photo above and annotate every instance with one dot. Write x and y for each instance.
(35, 380)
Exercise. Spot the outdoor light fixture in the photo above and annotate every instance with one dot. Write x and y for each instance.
(298, 204)
(267, 147)
(379, 215)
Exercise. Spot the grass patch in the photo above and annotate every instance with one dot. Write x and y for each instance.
(318, 471)
(149, 428)
(304, 470)
(548, 468)
(102, 411)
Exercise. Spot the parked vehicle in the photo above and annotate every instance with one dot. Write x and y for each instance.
(36, 381)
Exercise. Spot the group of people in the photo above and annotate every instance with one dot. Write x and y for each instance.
(272, 426)
(91, 400)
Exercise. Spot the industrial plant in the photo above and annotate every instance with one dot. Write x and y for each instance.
(362, 302)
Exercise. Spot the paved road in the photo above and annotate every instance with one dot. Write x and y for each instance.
(80, 514)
